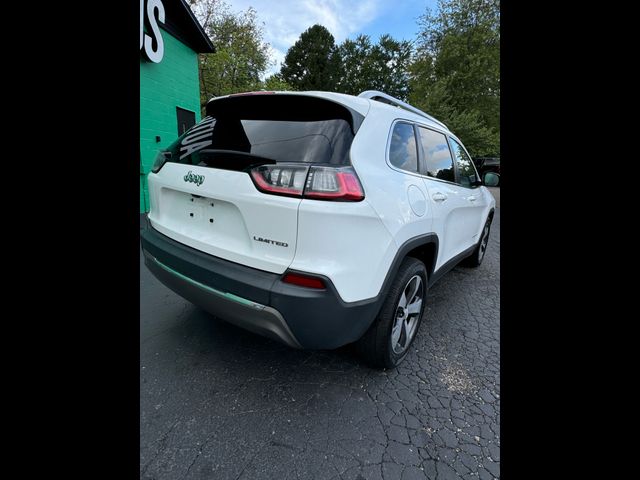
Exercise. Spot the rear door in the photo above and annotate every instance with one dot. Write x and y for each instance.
(228, 186)
(446, 197)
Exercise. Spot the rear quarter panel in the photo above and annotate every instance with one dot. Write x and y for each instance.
(386, 189)
(347, 242)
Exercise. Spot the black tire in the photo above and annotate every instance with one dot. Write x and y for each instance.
(375, 346)
(475, 259)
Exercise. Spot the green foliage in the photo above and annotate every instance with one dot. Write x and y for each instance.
(382, 66)
(455, 73)
(241, 55)
(312, 63)
(452, 73)
(275, 83)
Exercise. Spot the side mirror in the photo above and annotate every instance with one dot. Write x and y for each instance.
(491, 179)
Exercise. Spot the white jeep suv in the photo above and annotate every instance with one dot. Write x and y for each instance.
(317, 219)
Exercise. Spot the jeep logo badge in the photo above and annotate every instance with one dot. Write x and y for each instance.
(193, 178)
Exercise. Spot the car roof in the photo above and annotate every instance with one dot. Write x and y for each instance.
(377, 106)
(364, 106)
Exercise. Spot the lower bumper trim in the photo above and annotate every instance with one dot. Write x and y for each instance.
(252, 316)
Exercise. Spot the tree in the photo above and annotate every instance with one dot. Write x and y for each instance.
(382, 66)
(276, 83)
(312, 63)
(455, 73)
(355, 71)
(241, 55)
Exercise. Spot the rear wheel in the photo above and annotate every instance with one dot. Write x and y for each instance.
(387, 341)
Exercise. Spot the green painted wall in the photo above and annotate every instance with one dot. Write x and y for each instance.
(164, 86)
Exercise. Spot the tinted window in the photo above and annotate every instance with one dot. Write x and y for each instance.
(242, 131)
(437, 155)
(403, 151)
(322, 141)
(467, 176)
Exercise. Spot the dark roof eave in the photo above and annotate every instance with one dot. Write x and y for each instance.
(207, 47)
(183, 25)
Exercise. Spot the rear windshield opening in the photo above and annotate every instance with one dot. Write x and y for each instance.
(244, 131)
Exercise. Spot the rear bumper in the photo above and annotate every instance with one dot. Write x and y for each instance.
(256, 300)
(252, 316)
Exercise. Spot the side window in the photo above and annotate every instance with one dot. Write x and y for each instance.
(438, 159)
(467, 176)
(403, 152)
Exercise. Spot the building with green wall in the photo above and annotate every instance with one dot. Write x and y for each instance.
(170, 40)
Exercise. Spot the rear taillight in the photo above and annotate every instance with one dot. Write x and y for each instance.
(315, 182)
(283, 179)
(327, 183)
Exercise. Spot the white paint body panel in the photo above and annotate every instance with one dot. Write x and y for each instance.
(347, 242)
(457, 221)
(240, 212)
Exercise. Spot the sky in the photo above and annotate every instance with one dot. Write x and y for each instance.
(285, 20)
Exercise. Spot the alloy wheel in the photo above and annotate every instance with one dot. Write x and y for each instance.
(407, 314)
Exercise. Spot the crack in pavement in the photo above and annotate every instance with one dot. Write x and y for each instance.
(265, 411)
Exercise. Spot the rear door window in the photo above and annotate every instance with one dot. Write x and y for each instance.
(438, 161)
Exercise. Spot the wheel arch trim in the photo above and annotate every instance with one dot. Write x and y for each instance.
(403, 251)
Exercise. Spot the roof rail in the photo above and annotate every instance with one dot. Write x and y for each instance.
(384, 98)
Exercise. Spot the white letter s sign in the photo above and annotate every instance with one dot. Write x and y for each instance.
(154, 55)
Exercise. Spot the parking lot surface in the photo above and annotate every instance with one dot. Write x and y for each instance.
(217, 402)
(495, 191)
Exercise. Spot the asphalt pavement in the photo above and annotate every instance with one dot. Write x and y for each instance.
(217, 402)
(495, 191)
